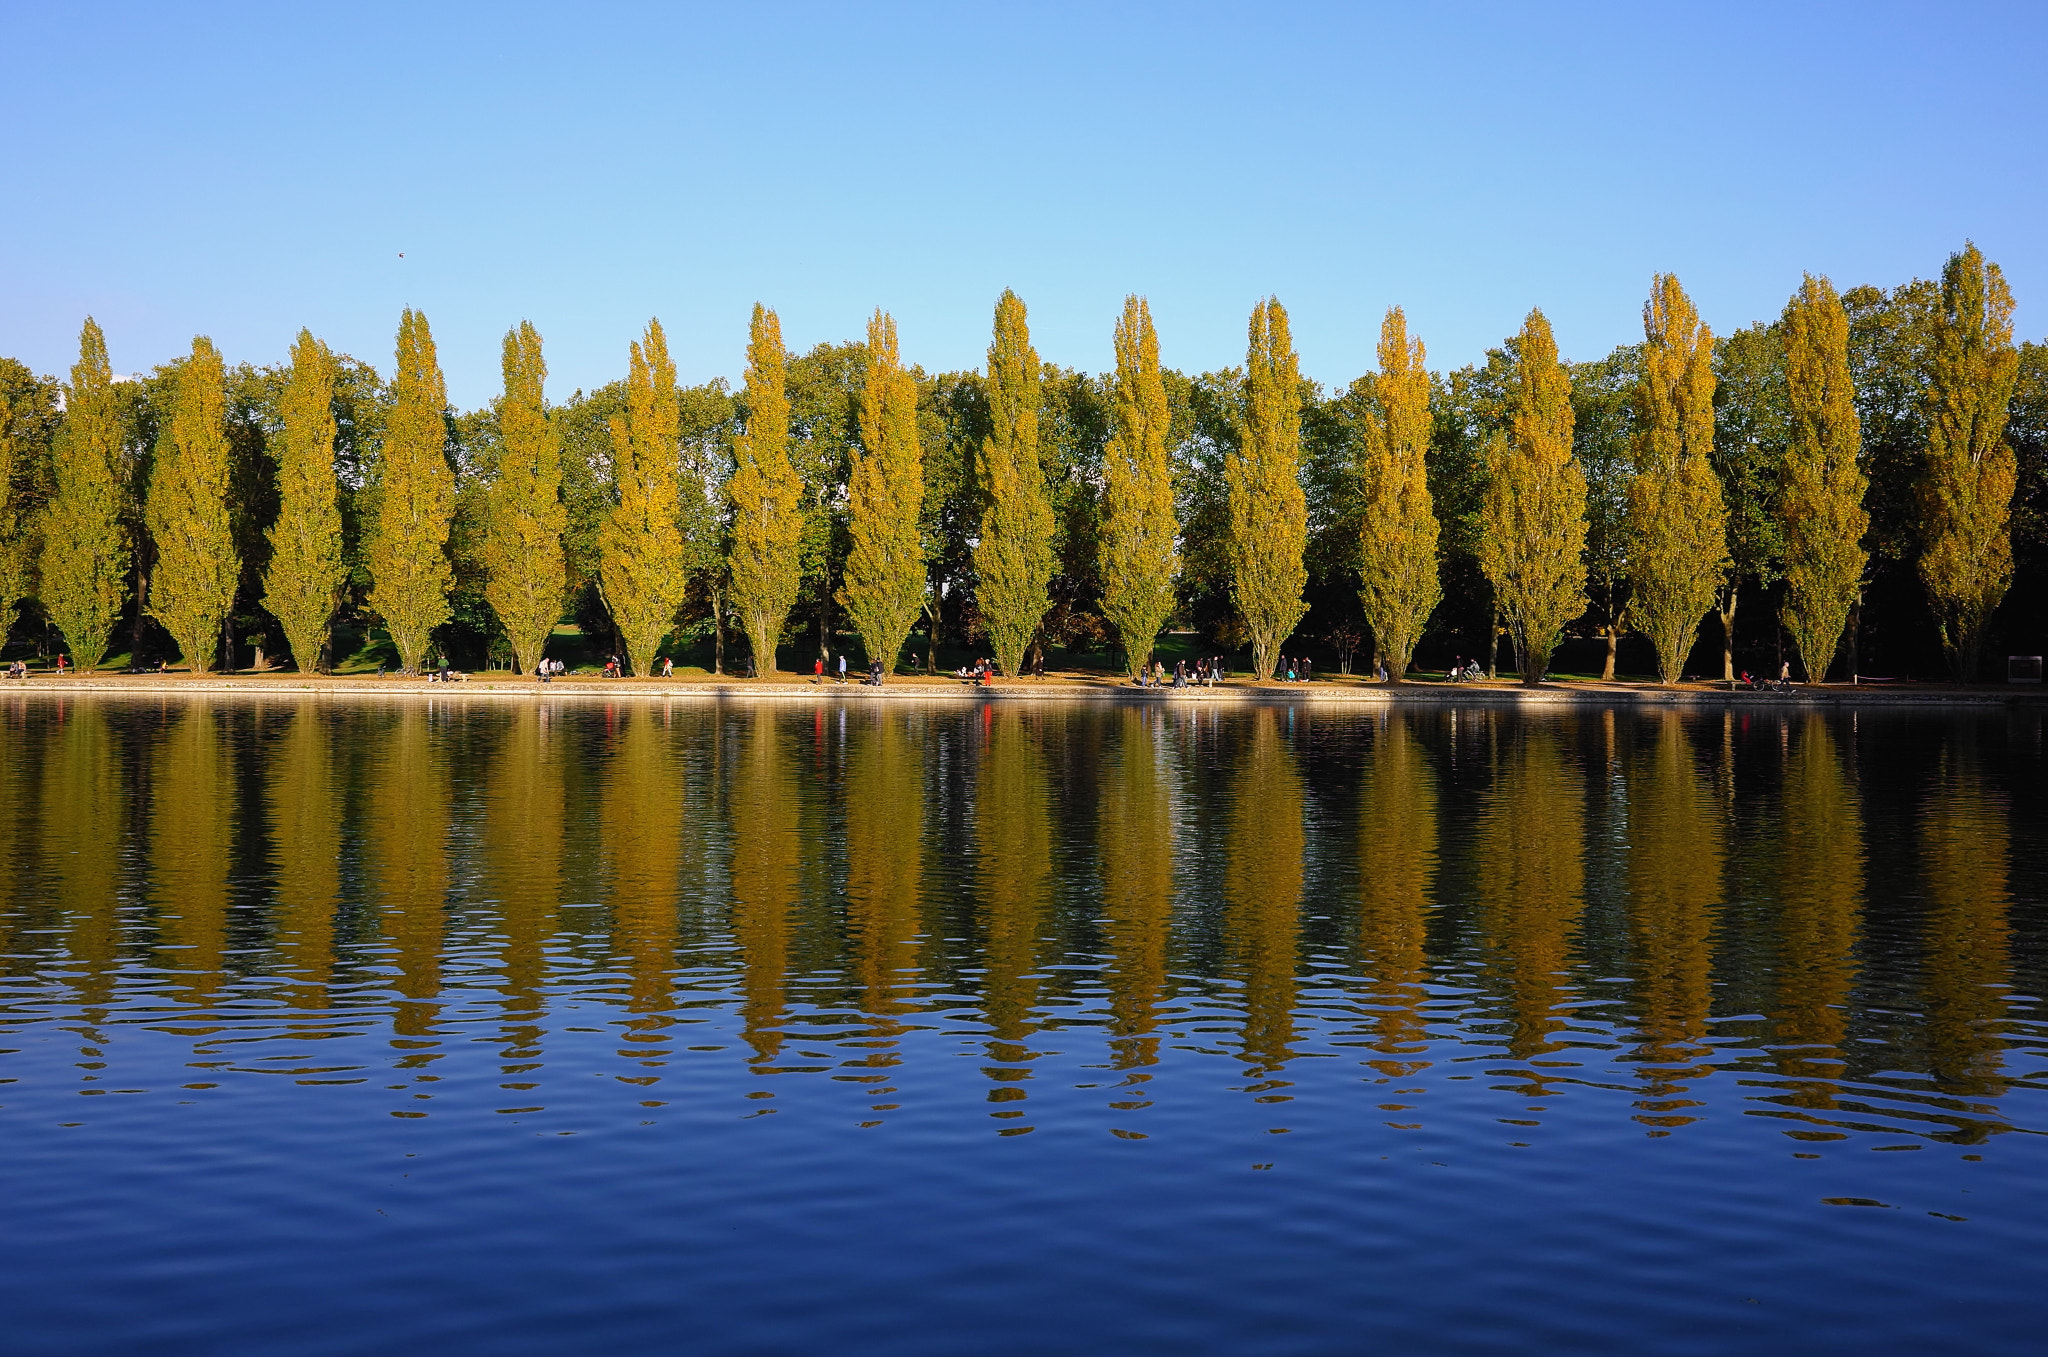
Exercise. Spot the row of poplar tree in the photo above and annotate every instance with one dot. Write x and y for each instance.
(1027, 504)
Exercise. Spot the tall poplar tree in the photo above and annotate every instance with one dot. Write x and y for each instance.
(1013, 564)
(408, 555)
(1268, 508)
(1398, 582)
(524, 515)
(1822, 495)
(642, 570)
(1966, 489)
(884, 585)
(1137, 543)
(1677, 518)
(767, 497)
(303, 582)
(193, 584)
(85, 545)
(1533, 519)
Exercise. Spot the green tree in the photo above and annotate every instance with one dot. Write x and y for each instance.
(643, 572)
(1966, 491)
(1533, 520)
(1014, 560)
(307, 572)
(1468, 407)
(823, 389)
(408, 555)
(1138, 556)
(1603, 444)
(28, 418)
(1751, 426)
(707, 419)
(1268, 510)
(524, 515)
(85, 542)
(1398, 583)
(1677, 521)
(2027, 431)
(1076, 418)
(884, 586)
(952, 420)
(1822, 500)
(193, 584)
(767, 495)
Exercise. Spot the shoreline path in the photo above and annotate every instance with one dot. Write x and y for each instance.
(1344, 691)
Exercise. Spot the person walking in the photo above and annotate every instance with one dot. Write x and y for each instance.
(842, 666)
(818, 670)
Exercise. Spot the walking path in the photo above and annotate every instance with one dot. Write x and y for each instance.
(1337, 690)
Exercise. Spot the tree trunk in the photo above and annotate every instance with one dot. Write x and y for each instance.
(1492, 642)
(1613, 638)
(825, 613)
(717, 632)
(1855, 639)
(135, 631)
(1728, 636)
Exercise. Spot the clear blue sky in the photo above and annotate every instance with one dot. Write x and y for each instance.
(244, 171)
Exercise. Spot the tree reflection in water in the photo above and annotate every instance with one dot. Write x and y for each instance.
(1531, 873)
(1674, 882)
(1075, 899)
(1013, 847)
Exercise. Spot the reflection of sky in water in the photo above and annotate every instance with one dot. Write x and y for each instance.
(937, 1027)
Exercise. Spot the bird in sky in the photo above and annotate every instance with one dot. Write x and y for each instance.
(401, 254)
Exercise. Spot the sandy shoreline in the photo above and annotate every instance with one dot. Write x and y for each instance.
(1345, 691)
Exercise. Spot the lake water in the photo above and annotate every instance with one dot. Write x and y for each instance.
(559, 1026)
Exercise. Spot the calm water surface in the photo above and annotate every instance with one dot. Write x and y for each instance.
(560, 1026)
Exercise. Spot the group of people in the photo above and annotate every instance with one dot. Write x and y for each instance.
(872, 680)
(981, 671)
(1757, 683)
(17, 670)
(1296, 670)
(614, 667)
(1206, 672)
(1464, 671)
